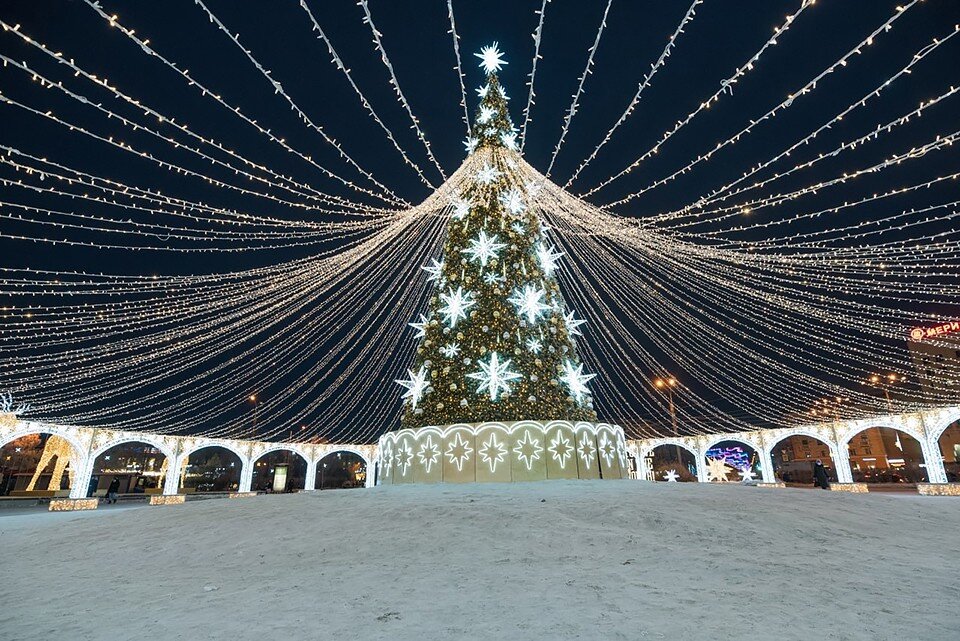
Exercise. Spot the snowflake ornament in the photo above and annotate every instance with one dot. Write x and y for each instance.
(483, 248)
(471, 144)
(486, 114)
(529, 302)
(746, 475)
(575, 380)
(456, 304)
(415, 385)
(573, 324)
(491, 58)
(461, 207)
(534, 345)
(509, 140)
(488, 174)
(450, 350)
(548, 257)
(494, 376)
(671, 476)
(518, 227)
(483, 91)
(434, 269)
(512, 201)
(493, 278)
(421, 326)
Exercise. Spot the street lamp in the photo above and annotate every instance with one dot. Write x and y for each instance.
(256, 406)
(885, 383)
(666, 385)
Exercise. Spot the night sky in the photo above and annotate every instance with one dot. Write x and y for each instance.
(415, 34)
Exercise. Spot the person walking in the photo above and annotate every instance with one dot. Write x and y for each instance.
(820, 478)
(113, 490)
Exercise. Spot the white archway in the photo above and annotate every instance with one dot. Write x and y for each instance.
(184, 458)
(77, 462)
(368, 465)
(841, 463)
(930, 456)
(766, 466)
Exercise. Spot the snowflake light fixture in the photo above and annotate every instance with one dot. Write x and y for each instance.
(461, 207)
(483, 248)
(450, 350)
(573, 324)
(494, 376)
(529, 302)
(512, 201)
(420, 326)
(576, 380)
(486, 114)
(491, 58)
(415, 385)
(548, 258)
(434, 269)
(456, 304)
(488, 173)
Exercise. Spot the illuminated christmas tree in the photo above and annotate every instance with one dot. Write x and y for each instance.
(498, 341)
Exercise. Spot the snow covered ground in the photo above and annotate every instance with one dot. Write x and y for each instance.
(546, 560)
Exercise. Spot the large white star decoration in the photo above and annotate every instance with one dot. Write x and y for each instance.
(488, 174)
(548, 258)
(746, 475)
(528, 449)
(486, 114)
(461, 207)
(607, 449)
(512, 201)
(491, 58)
(509, 139)
(429, 454)
(420, 326)
(434, 269)
(587, 449)
(573, 324)
(415, 385)
(494, 376)
(717, 469)
(404, 458)
(459, 451)
(529, 302)
(456, 304)
(471, 144)
(534, 345)
(483, 91)
(561, 449)
(576, 380)
(671, 476)
(493, 452)
(483, 248)
(450, 350)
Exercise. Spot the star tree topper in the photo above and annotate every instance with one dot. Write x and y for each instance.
(491, 58)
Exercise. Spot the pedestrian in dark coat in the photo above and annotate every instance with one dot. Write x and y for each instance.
(113, 490)
(820, 478)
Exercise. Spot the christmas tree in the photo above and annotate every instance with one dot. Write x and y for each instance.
(497, 342)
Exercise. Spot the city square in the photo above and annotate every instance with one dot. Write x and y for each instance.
(467, 320)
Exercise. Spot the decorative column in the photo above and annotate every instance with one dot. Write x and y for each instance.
(246, 476)
(171, 483)
(80, 481)
(766, 466)
(310, 483)
(933, 460)
(371, 472)
(842, 460)
(702, 467)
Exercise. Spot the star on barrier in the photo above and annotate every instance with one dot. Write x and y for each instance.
(459, 451)
(586, 449)
(561, 449)
(404, 458)
(528, 449)
(607, 449)
(493, 452)
(429, 454)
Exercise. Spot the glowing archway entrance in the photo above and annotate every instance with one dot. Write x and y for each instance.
(794, 459)
(740, 461)
(279, 471)
(886, 455)
(342, 469)
(211, 469)
(675, 458)
(139, 467)
(37, 465)
(949, 443)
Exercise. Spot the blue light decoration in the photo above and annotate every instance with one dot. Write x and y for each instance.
(735, 456)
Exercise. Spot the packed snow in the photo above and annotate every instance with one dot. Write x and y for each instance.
(545, 560)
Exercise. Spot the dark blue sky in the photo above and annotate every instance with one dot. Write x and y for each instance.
(723, 35)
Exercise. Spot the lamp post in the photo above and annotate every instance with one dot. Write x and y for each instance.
(885, 383)
(256, 407)
(666, 385)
